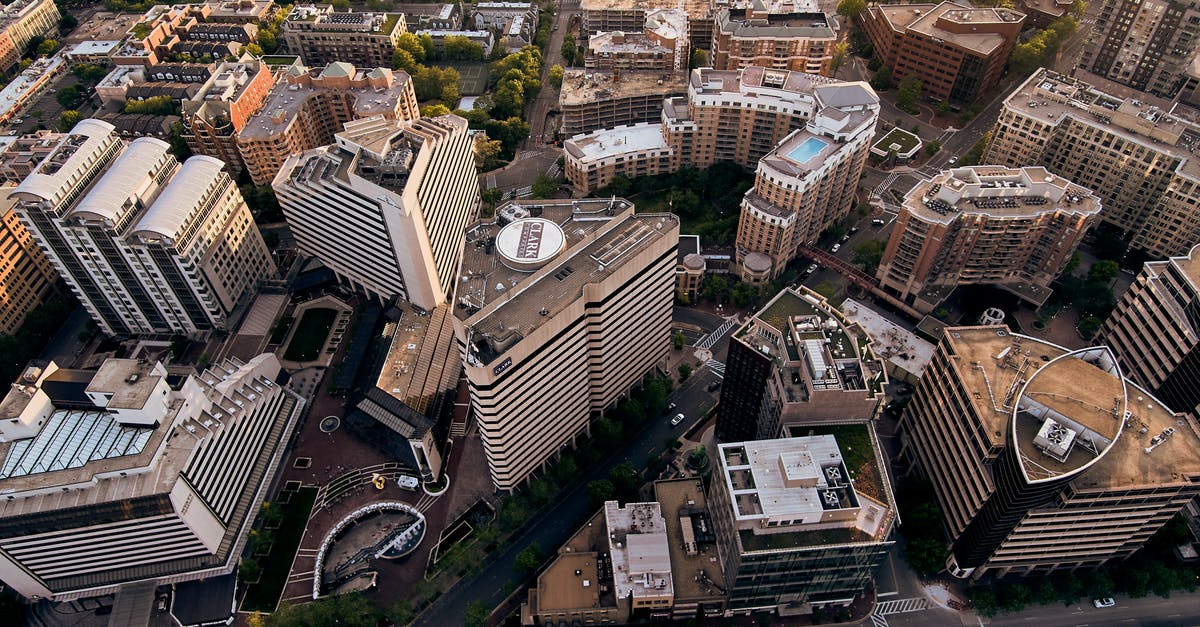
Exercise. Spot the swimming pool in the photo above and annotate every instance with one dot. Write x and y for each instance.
(807, 150)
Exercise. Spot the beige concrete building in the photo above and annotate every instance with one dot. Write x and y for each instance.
(213, 118)
(1011, 227)
(20, 22)
(1134, 151)
(629, 16)
(578, 291)
(1155, 332)
(1043, 458)
(591, 101)
(781, 34)
(306, 108)
(322, 36)
(689, 269)
(26, 276)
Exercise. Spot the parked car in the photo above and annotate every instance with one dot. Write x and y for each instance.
(877, 222)
(811, 269)
(672, 405)
(676, 420)
(836, 247)
(1105, 602)
(952, 161)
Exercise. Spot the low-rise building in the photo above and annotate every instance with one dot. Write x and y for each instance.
(689, 269)
(322, 36)
(29, 85)
(432, 15)
(592, 101)
(484, 38)
(781, 34)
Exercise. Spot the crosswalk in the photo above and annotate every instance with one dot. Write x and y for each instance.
(426, 502)
(707, 341)
(901, 606)
(717, 367)
(878, 621)
(887, 183)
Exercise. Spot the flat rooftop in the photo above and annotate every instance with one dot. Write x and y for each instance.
(695, 566)
(129, 382)
(638, 547)
(582, 87)
(892, 342)
(501, 305)
(422, 360)
(286, 99)
(997, 192)
(814, 25)
(953, 23)
(803, 152)
(620, 140)
(573, 579)
(696, 9)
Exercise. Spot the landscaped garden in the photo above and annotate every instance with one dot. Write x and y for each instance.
(267, 562)
(310, 335)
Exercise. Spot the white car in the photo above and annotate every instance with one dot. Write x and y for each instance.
(676, 420)
(836, 247)
(1105, 602)
(952, 160)
(811, 269)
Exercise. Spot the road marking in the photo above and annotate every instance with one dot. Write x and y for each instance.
(888, 594)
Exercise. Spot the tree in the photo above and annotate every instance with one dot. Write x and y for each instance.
(68, 120)
(477, 614)
(70, 97)
(349, 610)
(67, 23)
(1103, 271)
(556, 75)
(851, 8)
(699, 58)
(89, 72)
(432, 111)
(678, 339)
(933, 147)
(626, 481)
(528, 560)
(267, 41)
(882, 79)
(544, 186)
(155, 105)
(1088, 326)
(47, 47)
(907, 93)
(840, 50)
(568, 48)
(340, 5)
(459, 48)
(253, 49)
(607, 433)
(685, 371)
(868, 255)
(600, 492)
(926, 555)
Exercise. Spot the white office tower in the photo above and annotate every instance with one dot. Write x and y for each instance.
(147, 246)
(120, 475)
(386, 206)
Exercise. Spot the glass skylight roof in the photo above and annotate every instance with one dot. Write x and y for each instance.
(70, 439)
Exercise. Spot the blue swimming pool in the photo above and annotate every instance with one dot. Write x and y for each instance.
(807, 150)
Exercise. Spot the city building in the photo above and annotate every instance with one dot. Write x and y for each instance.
(1042, 13)
(1044, 458)
(1155, 333)
(322, 36)
(484, 38)
(1145, 44)
(177, 81)
(147, 245)
(122, 475)
(728, 115)
(797, 361)
(689, 269)
(213, 118)
(629, 16)
(592, 101)
(20, 22)
(579, 291)
(780, 34)
(26, 276)
(167, 31)
(1014, 228)
(239, 11)
(956, 51)
(404, 194)
(807, 183)
(438, 16)
(305, 109)
(28, 86)
(1136, 154)
(801, 522)
(514, 24)
(660, 46)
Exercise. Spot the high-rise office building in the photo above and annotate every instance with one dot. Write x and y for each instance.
(1135, 154)
(781, 34)
(956, 51)
(213, 118)
(802, 520)
(117, 475)
(386, 206)
(321, 35)
(575, 291)
(1145, 44)
(797, 361)
(1155, 331)
(147, 245)
(1011, 227)
(1044, 458)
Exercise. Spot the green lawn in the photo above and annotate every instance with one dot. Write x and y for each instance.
(264, 595)
(905, 139)
(310, 335)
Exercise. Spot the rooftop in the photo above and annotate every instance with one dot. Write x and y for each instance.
(691, 539)
(581, 87)
(577, 578)
(422, 360)
(954, 23)
(322, 17)
(34, 78)
(998, 192)
(127, 382)
(639, 549)
(891, 341)
(620, 140)
(695, 9)
(814, 25)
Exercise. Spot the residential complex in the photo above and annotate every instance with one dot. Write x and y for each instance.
(1135, 154)
(593, 101)
(661, 46)
(1011, 227)
(1044, 458)
(386, 206)
(147, 245)
(798, 361)
(956, 51)
(20, 22)
(579, 291)
(738, 116)
(801, 521)
(306, 108)
(26, 276)
(1145, 44)
(781, 34)
(322, 36)
(121, 475)
(1155, 332)
(213, 118)
(629, 16)
(166, 31)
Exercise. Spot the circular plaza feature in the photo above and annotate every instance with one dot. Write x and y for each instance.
(383, 530)
(526, 245)
(329, 424)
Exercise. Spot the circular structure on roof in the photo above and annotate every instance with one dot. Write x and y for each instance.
(526, 245)
(693, 261)
(757, 263)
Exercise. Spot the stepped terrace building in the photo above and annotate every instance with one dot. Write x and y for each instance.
(213, 118)
(578, 292)
(1009, 227)
(306, 108)
(1044, 458)
(782, 34)
(322, 36)
(386, 206)
(797, 361)
(147, 245)
(117, 475)
(1137, 153)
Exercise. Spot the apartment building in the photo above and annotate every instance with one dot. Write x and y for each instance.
(213, 118)
(20, 22)
(1044, 458)
(579, 291)
(147, 245)
(167, 30)
(781, 34)
(25, 273)
(797, 361)
(403, 195)
(1145, 44)
(592, 101)
(956, 51)
(1042, 13)
(117, 475)
(1011, 227)
(1136, 154)
(806, 183)
(307, 107)
(239, 11)
(738, 116)
(801, 521)
(1155, 333)
(661, 46)
(629, 16)
(322, 36)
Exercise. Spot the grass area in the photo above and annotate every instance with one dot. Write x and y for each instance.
(906, 140)
(857, 452)
(473, 77)
(311, 333)
(264, 595)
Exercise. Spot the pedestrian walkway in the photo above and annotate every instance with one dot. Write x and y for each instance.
(717, 367)
(901, 606)
(707, 341)
(878, 621)
(426, 502)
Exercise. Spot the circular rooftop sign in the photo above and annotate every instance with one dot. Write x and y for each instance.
(528, 244)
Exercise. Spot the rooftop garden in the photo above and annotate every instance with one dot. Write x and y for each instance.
(858, 453)
(906, 140)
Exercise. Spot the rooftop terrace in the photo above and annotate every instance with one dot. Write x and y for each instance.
(997, 191)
